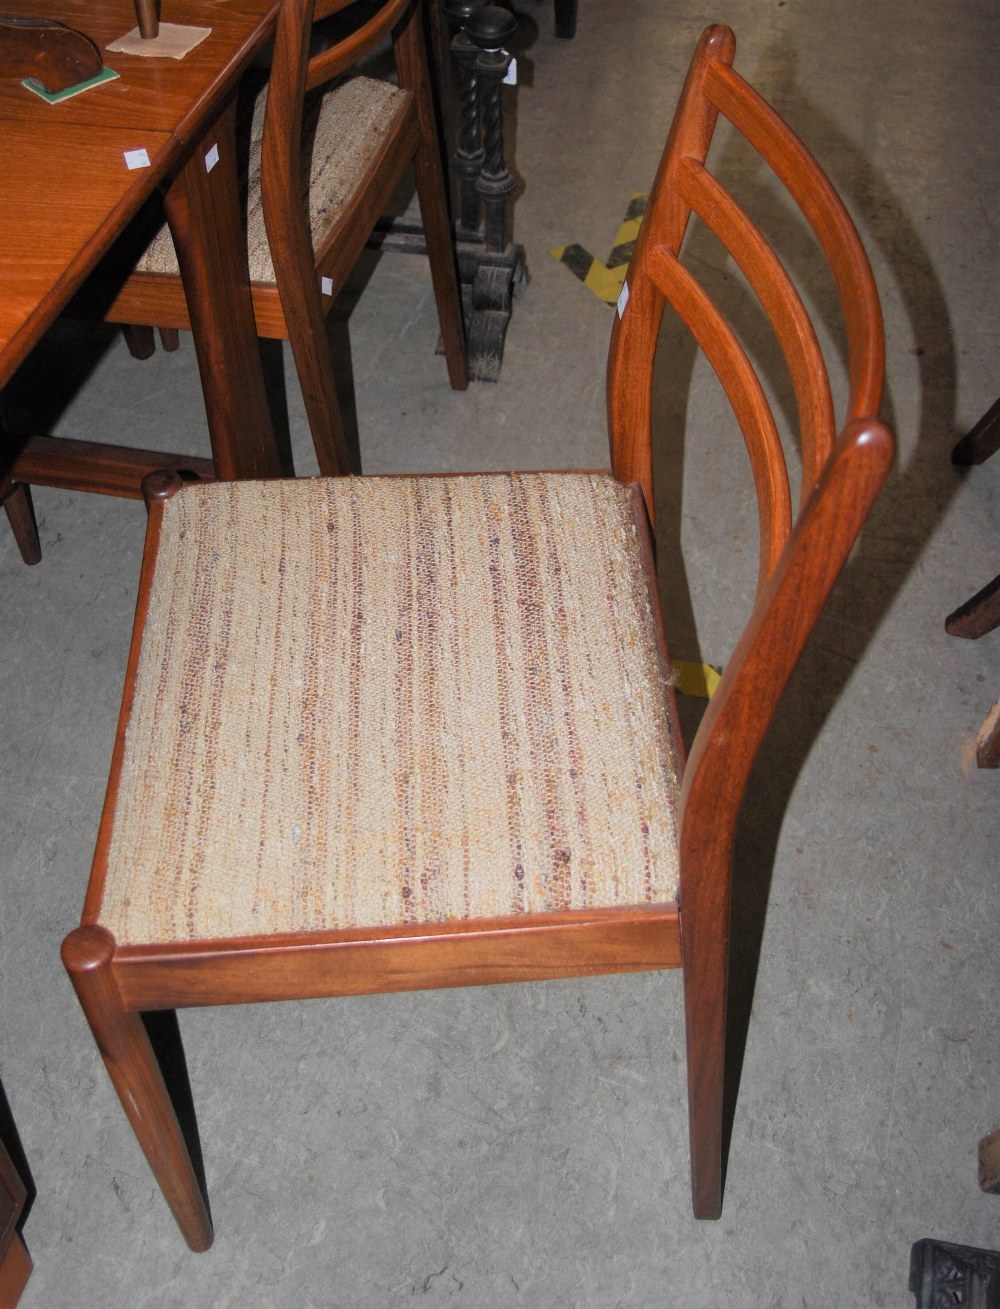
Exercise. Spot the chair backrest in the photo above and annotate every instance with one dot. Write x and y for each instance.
(283, 178)
(802, 553)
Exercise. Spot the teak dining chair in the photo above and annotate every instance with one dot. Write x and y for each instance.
(323, 165)
(382, 734)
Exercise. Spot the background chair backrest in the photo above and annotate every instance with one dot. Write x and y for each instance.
(293, 73)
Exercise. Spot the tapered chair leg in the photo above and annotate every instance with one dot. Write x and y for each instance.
(170, 338)
(706, 1071)
(16, 500)
(140, 340)
(705, 951)
(133, 1067)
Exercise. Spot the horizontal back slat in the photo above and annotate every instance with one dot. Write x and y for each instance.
(825, 212)
(724, 352)
(783, 306)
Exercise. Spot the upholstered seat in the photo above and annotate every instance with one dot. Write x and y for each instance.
(343, 130)
(381, 701)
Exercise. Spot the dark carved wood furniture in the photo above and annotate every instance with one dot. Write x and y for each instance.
(321, 171)
(492, 266)
(948, 1276)
(74, 175)
(382, 734)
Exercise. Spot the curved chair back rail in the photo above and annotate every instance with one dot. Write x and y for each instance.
(327, 150)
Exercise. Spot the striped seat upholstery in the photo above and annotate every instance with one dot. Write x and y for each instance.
(342, 129)
(374, 701)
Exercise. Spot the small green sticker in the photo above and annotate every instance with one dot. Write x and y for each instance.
(53, 97)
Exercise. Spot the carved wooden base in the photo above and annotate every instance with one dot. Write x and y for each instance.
(489, 282)
(944, 1276)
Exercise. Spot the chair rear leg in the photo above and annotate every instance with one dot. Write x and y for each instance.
(135, 1072)
(170, 338)
(705, 947)
(706, 1066)
(706, 1072)
(16, 500)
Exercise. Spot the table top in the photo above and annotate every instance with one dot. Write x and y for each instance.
(66, 188)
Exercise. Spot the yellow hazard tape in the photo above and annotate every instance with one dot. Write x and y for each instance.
(696, 679)
(605, 279)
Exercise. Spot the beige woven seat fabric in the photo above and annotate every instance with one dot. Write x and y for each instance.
(373, 701)
(342, 130)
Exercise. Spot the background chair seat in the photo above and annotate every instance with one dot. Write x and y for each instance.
(455, 688)
(343, 132)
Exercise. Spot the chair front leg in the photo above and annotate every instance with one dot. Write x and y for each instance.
(16, 500)
(137, 1077)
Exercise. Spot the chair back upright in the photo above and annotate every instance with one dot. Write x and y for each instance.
(801, 552)
(294, 73)
(298, 265)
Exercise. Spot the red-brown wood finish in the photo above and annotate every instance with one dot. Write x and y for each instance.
(93, 466)
(15, 1269)
(801, 556)
(175, 95)
(203, 209)
(66, 192)
(64, 196)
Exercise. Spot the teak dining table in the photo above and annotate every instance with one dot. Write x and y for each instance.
(73, 174)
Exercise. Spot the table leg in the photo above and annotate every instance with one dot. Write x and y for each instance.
(203, 209)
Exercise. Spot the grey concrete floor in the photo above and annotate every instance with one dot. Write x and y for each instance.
(527, 1145)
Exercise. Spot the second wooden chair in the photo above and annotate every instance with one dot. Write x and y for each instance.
(326, 153)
